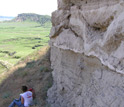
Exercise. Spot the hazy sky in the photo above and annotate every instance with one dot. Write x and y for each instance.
(15, 7)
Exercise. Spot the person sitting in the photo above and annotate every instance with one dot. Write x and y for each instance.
(25, 100)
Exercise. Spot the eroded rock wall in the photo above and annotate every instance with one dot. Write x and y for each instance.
(87, 46)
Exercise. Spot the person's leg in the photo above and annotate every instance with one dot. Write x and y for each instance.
(20, 98)
(15, 102)
(22, 105)
(12, 104)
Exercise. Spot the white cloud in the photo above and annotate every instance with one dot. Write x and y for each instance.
(14, 7)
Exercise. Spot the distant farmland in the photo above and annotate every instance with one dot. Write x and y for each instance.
(19, 39)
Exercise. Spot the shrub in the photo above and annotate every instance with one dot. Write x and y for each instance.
(44, 69)
(6, 95)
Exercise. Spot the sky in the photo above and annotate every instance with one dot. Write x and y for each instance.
(15, 7)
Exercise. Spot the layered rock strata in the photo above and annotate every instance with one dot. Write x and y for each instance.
(87, 54)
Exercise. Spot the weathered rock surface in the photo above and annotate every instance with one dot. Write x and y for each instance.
(87, 46)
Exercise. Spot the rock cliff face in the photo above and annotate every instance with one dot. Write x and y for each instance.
(87, 54)
(42, 19)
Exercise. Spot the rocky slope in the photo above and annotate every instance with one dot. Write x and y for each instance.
(31, 71)
(87, 46)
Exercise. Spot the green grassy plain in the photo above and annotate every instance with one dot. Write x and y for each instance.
(19, 39)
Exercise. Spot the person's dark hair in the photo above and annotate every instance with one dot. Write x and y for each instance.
(24, 88)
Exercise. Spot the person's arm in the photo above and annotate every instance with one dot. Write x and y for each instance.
(33, 92)
(22, 100)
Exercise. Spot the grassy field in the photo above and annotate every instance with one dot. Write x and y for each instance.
(19, 39)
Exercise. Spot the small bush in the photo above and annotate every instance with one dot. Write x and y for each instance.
(30, 64)
(6, 95)
(24, 74)
(17, 57)
(44, 69)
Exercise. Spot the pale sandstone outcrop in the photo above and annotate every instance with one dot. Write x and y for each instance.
(87, 46)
